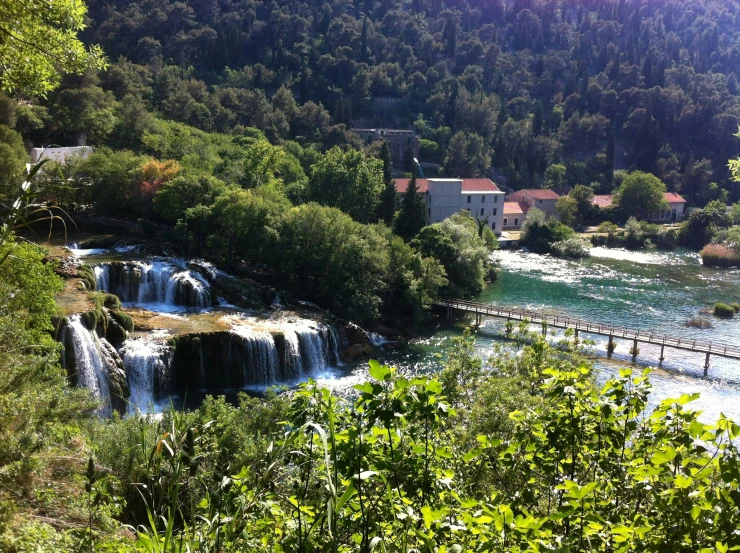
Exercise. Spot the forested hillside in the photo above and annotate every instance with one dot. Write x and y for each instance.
(512, 85)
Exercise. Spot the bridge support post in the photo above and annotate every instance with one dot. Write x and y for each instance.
(449, 312)
(610, 347)
(634, 351)
(576, 336)
(478, 318)
(662, 355)
(706, 365)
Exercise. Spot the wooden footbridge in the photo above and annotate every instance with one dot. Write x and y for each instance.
(481, 310)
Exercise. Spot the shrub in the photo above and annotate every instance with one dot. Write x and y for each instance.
(123, 319)
(572, 248)
(717, 255)
(723, 310)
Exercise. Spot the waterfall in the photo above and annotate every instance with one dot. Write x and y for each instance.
(102, 277)
(338, 342)
(293, 361)
(313, 347)
(90, 364)
(254, 357)
(147, 371)
(154, 282)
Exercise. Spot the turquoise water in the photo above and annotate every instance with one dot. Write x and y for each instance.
(652, 291)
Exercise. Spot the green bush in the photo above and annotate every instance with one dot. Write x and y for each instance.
(123, 319)
(723, 310)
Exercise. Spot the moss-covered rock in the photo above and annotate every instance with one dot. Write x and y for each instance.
(86, 274)
(123, 319)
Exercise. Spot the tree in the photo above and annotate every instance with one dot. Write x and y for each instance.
(36, 49)
(389, 198)
(555, 176)
(185, 192)
(348, 181)
(567, 209)
(413, 215)
(641, 195)
(467, 156)
(455, 242)
(12, 158)
(584, 198)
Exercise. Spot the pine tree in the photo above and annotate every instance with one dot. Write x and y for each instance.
(413, 215)
(388, 201)
(363, 40)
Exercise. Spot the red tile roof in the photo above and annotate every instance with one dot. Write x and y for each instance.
(603, 201)
(534, 193)
(607, 199)
(673, 198)
(468, 185)
(515, 208)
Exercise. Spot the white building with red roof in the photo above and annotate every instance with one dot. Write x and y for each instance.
(445, 197)
(514, 214)
(542, 199)
(674, 213)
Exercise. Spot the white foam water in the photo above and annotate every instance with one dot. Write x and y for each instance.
(91, 368)
(147, 371)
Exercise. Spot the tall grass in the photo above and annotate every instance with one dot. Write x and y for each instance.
(717, 255)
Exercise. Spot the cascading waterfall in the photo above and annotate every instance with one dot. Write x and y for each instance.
(293, 360)
(338, 342)
(147, 371)
(154, 282)
(314, 346)
(90, 363)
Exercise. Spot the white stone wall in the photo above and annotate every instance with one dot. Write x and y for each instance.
(445, 197)
(60, 155)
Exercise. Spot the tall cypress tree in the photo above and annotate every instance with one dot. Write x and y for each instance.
(388, 201)
(413, 216)
(363, 40)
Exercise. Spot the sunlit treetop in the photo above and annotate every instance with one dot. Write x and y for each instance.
(38, 42)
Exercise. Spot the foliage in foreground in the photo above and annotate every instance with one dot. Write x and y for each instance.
(427, 464)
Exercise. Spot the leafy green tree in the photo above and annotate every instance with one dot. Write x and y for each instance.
(37, 48)
(698, 230)
(584, 200)
(555, 175)
(567, 208)
(467, 156)
(641, 195)
(347, 180)
(463, 253)
(244, 222)
(12, 159)
(184, 192)
(413, 215)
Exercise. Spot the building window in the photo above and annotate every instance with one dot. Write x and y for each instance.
(483, 199)
(430, 211)
(495, 199)
(506, 221)
(541, 202)
(495, 211)
(482, 211)
(493, 225)
(470, 198)
(430, 198)
(516, 221)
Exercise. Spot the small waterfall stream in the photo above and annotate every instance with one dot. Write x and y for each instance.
(147, 370)
(156, 282)
(90, 363)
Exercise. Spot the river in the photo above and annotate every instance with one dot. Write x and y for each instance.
(652, 291)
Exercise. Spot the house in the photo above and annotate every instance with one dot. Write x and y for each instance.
(398, 140)
(544, 200)
(514, 213)
(60, 155)
(445, 197)
(674, 213)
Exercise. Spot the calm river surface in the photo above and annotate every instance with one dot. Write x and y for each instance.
(652, 291)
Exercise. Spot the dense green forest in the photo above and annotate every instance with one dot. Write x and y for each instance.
(517, 86)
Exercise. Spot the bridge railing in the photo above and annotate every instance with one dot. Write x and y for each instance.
(585, 326)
